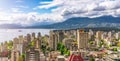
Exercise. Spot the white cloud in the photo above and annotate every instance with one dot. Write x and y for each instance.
(50, 4)
(45, 2)
(0, 8)
(16, 10)
(86, 8)
(32, 18)
(19, 9)
(22, 6)
(29, 18)
(4, 18)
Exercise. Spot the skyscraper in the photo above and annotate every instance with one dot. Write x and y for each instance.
(28, 37)
(82, 38)
(32, 36)
(53, 40)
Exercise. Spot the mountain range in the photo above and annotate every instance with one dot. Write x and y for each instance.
(76, 22)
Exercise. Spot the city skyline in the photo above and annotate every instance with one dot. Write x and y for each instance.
(63, 45)
(59, 30)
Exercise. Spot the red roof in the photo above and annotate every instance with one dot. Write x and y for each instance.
(74, 57)
(81, 30)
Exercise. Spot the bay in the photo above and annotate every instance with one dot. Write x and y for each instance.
(9, 34)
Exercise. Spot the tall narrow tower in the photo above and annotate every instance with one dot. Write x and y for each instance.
(82, 38)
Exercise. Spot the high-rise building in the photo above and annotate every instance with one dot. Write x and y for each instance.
(38, 41)
(53, 40)
(18, 45)
(99, 34)
(39, 35)
(82, 38)
(32, 36)
(15, 43)
(68, 42)
(104, 35)
(56, 36)
(15, 55)
(21, 39)
(28, 37)
(3, 47)
(91, 35)
(60, 35)
(32, 55)
(116, 35)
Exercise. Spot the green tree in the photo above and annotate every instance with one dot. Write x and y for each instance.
(101, 43)
(91, 42)
(68, 53)
(23, 56)
(9, 54)
(43, 47)
(92, 59)
(10, 45)
(60, 46)
(32, 43)
(63, 49)
(115, 49)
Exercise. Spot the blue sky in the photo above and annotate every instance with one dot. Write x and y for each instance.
(23, 5)
(30, 12)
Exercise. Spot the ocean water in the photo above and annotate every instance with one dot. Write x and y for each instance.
(9, 34)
